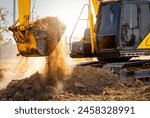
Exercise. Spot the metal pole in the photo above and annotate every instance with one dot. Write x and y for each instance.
(14, 11)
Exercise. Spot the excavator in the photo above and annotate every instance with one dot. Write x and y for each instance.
(121, 31)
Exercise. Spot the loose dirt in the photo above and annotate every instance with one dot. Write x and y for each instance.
(55, 60)
(52, 29)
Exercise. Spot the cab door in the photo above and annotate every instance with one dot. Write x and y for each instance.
(145, 25)
(129, 31)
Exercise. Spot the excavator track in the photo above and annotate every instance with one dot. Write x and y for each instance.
(138, 69)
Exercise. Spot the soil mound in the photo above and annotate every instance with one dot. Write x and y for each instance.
(32, 88)
(91, 80)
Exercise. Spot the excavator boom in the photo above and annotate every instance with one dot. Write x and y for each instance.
(23, 9)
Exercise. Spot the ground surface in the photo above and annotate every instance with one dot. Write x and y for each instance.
(84, 83)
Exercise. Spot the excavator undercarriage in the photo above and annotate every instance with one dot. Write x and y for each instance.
(137, 69)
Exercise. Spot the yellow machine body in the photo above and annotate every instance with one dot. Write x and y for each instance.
(145, 44)
(93, 3)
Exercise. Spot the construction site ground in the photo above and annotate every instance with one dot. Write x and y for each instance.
(82, 83)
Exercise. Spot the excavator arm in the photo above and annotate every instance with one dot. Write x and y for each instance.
(93, 3)
(25, 38)
(24, 14)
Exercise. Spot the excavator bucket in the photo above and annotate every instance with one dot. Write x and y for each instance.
(39, 38)
(36, 38)
(31, 43)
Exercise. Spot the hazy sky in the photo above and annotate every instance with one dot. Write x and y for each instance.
(67, 10)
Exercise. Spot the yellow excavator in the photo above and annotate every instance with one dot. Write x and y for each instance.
(121, 31)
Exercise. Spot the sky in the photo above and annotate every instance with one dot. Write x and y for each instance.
(66, 10)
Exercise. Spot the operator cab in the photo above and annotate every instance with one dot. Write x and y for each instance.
(122, 28)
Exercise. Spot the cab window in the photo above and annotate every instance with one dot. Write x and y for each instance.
(145, 19)
(130, 25)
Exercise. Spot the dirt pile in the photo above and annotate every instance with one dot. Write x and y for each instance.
(90, 83)
(140, 93)
(86, 80)
(32, 88)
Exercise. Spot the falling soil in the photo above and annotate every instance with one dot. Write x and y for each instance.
(54, 29)
(25, 89)
(50, 28)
